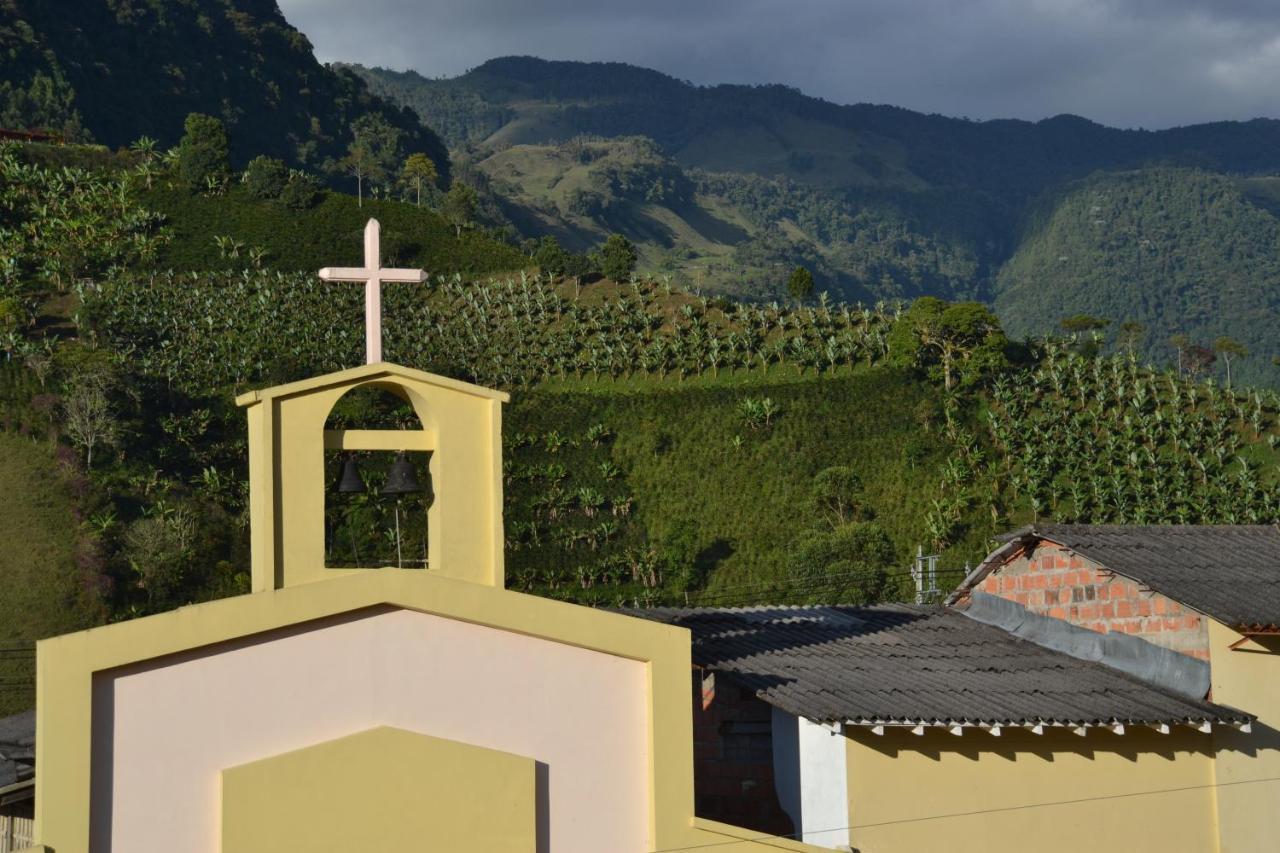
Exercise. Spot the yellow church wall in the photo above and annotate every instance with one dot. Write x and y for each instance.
(66, 667)
(167, 728)
(1019, 792)
(385, 789)
(1248, 765)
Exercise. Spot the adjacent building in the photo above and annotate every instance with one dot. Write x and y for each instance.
(907, 728)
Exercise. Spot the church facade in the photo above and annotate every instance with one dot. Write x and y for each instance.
(390, 709)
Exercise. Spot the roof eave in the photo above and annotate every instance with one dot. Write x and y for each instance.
(1013, 542)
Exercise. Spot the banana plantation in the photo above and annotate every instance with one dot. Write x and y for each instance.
(1106, 440)
(209, 331)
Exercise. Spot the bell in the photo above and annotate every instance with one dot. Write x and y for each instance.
(402, 479)
(351, 481)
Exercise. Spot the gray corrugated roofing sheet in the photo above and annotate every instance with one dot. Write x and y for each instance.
(898, 663)
(17, 747)
(1228, 572)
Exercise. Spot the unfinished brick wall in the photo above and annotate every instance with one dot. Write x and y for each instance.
(733, 759)
(1052, 581)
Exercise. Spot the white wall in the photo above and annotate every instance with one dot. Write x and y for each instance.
(163, 732)
(809, 767)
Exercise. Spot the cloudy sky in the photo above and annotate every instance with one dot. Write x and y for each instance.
(1130, 63)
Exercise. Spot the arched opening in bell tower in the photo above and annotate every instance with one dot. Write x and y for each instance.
(377, 487)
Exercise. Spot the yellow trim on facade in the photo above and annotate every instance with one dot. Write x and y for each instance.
(66, 666)
(384, 789)
(366, 373)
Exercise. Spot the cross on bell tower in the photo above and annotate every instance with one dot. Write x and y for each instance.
(373, 274)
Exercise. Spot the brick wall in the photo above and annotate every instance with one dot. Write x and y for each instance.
(733, 759)
(1052, 581)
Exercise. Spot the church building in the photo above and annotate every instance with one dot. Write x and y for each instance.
(340, 706)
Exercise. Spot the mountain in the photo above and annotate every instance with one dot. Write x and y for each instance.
(115, 70)
(878, 201)
(1172, 249)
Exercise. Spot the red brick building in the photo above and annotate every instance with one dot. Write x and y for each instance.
(1162, 584)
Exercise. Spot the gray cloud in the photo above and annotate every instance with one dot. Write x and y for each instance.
(1130, 63)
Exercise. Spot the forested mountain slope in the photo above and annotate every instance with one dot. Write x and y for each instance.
(777, 130)
(121, 69)
(880, 202)
(1175, 250)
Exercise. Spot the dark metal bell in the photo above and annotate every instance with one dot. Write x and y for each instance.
(402, 479)
(351, 481)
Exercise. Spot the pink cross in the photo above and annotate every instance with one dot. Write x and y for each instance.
(373, 274)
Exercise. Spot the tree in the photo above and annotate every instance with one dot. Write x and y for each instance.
(381, 140)
(266, 177)
(800, 284)
(550, 256)
(460, 206)
(361, 164)
(203, 152)
(838, 496)
(300, 192)
(1180, 344)
(1087, 330)
(618, 257)
(419, 169)
(1131, 333)
(145, 148)
(847, 565)
(1228, 348)
(89, 419)
(1198, 360)
(1083, 323)
(963, 342)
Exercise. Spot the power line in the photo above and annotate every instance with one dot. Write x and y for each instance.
(765, 839)
(810, 584)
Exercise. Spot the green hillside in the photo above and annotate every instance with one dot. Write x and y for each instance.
(327, 232)
(116, 71)
(47, 580)
(779, 131)
(661, 446)
(1179, 251)
(881, 203)
(733, 233)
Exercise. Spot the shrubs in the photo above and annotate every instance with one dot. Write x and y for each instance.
(301, 192)
(203, 153)
(618, 257)
(266, 177)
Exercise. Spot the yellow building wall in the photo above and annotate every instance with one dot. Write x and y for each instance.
(1022, 792)
(461, 426)
(1248, 767)
(384, 789)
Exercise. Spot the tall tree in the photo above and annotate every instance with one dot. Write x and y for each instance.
(361, 164)
(419, 169)
(800, 284)
(618, 257)
(460, 206)
(963, 342)
(1131, 332)
(203, 153)
(1228, 348)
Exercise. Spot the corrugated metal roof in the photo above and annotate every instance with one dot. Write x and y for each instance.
(1228, 572)
(17, 747)
(906, 664)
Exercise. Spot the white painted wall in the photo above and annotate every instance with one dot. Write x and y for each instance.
(164, 731)
(809, 771)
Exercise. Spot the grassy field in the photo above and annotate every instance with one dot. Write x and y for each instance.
(328, 233)
(41, 593)
(731, 496)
